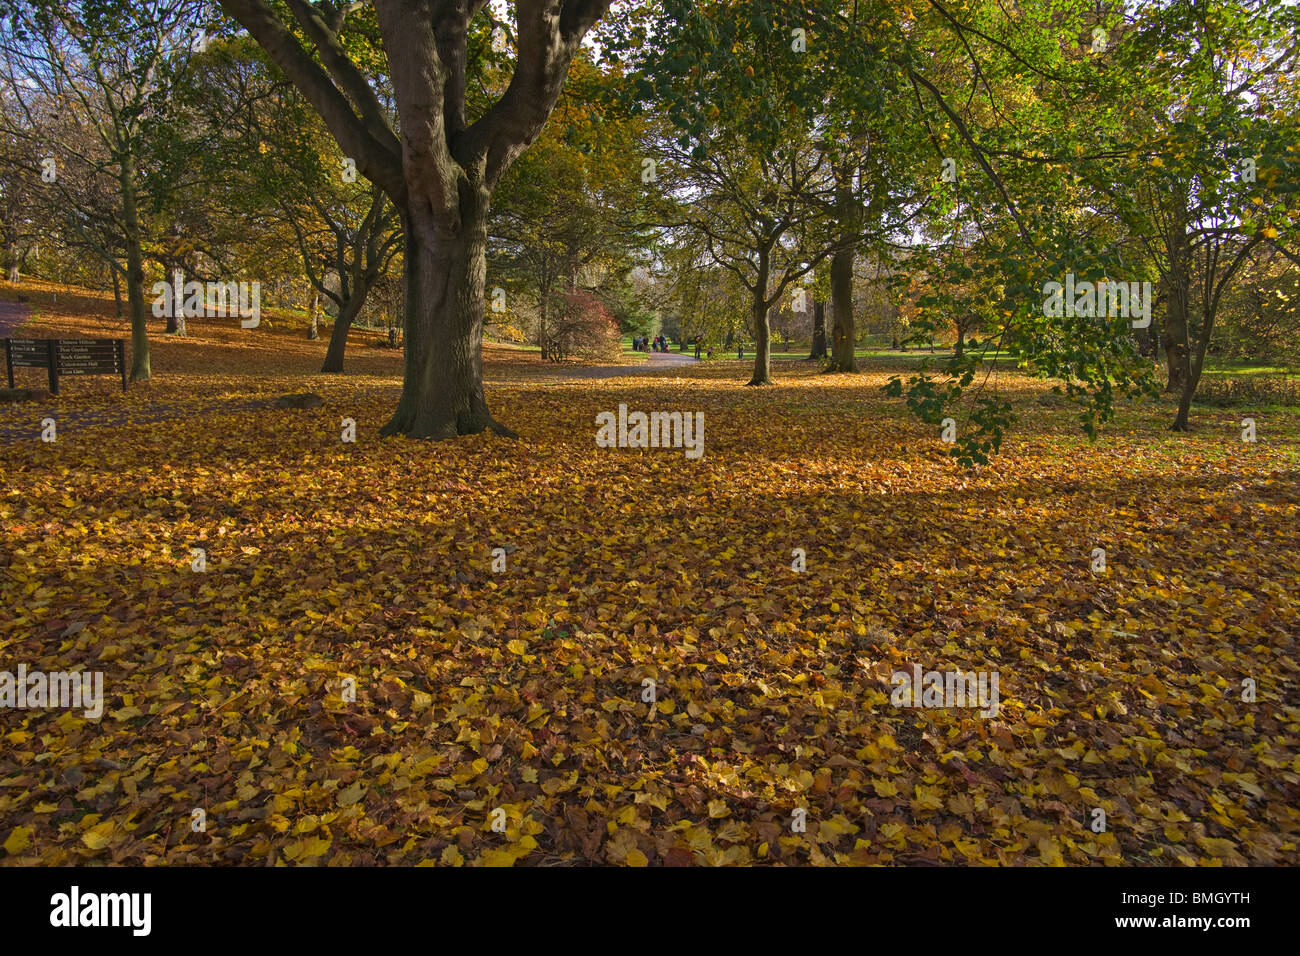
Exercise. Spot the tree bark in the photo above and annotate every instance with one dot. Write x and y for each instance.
(140, 368)
(339, 334)
(445, 275)
(1192, 377)
(1176, 339)
(313, 327)
(819, 331)
(176, 318)
(849, 214)
(761, 324)
(843, 337)
(117, 288)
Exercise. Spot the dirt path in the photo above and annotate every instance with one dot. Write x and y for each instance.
(655, 362)
(12, 315)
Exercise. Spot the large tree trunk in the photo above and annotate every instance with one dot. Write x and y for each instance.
(843, 336)
(959, 347)
(348, 313)
(762, 343)
(819, 331)
(140, 369)
(445, 274)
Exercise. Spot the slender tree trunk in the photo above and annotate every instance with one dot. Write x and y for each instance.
(959, 347)
(1176, 334)
(348, 313)
(1195, 367)
(1178, 353)
(545, 324)
(176, 298)
(13, 263)
(140, 369)
(843, 336)
(819, 331)
(117, 289)
(445, 274)
(1175, 340)
(176, 320)
(313, 327)
(761, 324)
(1185, 404)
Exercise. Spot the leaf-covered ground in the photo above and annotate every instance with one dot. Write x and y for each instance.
(522, 690)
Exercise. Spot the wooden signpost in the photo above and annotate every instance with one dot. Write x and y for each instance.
(66, 357)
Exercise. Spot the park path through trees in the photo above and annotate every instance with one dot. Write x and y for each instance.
(12, 315)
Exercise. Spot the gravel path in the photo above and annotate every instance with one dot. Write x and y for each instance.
(655, 362)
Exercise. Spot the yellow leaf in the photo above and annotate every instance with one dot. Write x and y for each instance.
(352, 794)
(884, 788)
(307, 849)
(1051, 853)
(451, 857)
(516, 646)
(498, 858)
(636, 858)
(1216, 846)
(19, 840)
(97, 837)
